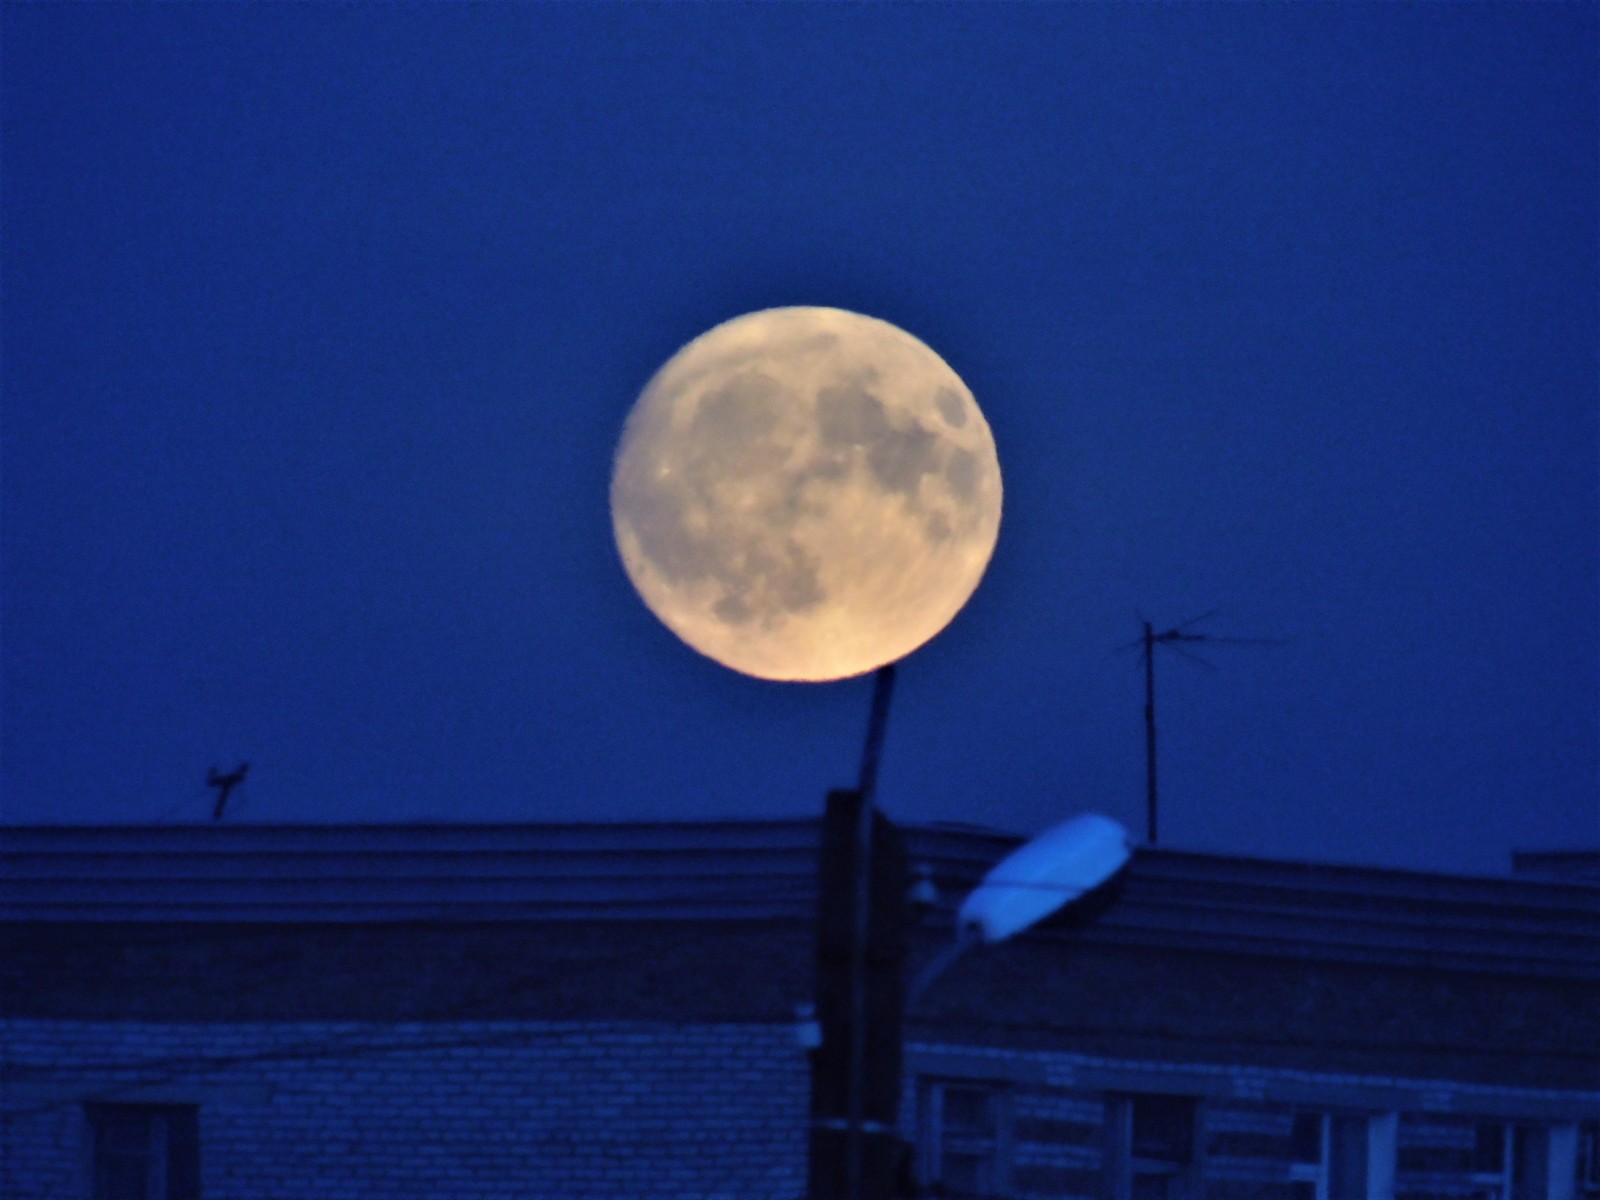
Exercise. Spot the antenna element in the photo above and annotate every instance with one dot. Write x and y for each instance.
(224, 785)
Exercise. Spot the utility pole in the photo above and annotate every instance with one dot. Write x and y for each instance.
(861, 917)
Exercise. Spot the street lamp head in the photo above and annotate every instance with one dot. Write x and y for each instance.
(1043, 876)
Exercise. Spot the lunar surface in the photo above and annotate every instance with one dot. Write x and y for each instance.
(805, 494)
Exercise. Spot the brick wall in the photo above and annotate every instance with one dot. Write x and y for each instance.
(393, 1111)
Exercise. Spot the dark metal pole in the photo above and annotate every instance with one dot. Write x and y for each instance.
(941, 962)
(882, 692)
(1150, 730)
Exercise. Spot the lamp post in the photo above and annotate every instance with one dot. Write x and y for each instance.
(862, 880)
(882, 693)
(861, 988)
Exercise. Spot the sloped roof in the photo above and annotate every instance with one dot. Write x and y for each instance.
(1191, 958)
(1578, 866)
(747, 871)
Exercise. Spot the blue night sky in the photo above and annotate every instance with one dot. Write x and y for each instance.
(321, 322)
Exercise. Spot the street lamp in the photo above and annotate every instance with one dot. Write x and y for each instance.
(1034, 881)
(861, 988)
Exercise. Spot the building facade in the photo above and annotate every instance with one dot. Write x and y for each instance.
(246, 1013)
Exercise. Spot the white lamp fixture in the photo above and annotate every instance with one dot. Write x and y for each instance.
(1045, 875)
(1039, 878)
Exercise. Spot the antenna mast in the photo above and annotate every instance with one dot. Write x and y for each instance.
(1150, 732)
(1171, 637)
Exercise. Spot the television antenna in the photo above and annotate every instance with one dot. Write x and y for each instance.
(1177, 639)
(225, 783)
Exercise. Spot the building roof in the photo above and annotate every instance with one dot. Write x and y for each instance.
(1194, 958)
(1579, 866)
(745, 871)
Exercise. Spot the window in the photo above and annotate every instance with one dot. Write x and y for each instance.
(1510, 1162)
(1150, 1147)
(1329, 1156)
(1530, 1162)
(1588, 1182)
(144, 1152)
(964, 1130)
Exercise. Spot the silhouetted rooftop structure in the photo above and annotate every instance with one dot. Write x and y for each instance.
(644, 980)
(1577, 866)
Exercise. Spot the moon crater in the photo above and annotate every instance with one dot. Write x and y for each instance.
(805, 493)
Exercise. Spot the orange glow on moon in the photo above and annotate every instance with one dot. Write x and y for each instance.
(805, 494)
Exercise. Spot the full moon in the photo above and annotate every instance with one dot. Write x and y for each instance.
(805, 494)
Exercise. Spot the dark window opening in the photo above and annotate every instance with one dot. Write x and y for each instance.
(964, 1136)
(1150, 1152)
(1488, 1148)
(1163, 1128)
(1589, 1158)
(1328, 1152)
(969, 1110)
(1305, 1138)
(144, 1151)
(1347, 1158)
(1530, 1162)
